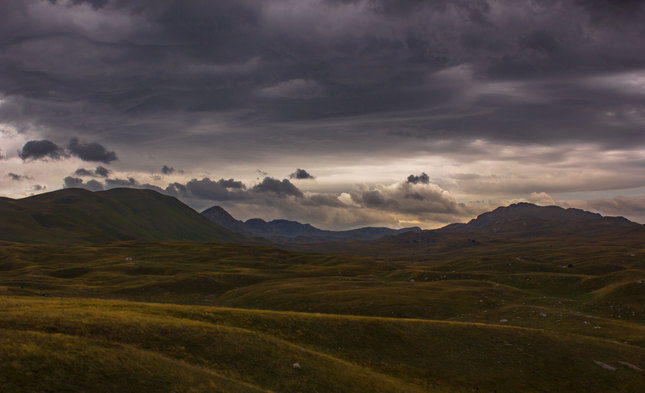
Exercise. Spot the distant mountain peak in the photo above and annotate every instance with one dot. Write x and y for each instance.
(528, 219)
(217, 210)
(220, 216)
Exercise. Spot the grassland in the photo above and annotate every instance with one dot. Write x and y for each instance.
(530, 316)
(52, 342)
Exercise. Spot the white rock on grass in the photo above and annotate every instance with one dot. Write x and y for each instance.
(605, 366)
(632, 366)
(296, 366)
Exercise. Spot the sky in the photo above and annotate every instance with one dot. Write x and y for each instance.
(338, 113)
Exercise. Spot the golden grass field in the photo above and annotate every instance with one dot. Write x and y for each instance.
(192, 317)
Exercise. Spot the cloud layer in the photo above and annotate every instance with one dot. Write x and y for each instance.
(477, 101)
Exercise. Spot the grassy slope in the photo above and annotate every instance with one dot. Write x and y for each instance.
(514, 316)
(76, 215)
(257, 348)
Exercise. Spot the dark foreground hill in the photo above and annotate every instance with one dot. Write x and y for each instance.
(77, 215)
(293, 231)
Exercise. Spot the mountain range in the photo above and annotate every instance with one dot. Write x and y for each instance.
(78, 215)
(293, 231)
(520, 222)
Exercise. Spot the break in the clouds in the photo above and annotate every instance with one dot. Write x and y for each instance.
(529, 96)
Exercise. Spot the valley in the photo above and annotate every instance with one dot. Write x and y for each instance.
(454, 311)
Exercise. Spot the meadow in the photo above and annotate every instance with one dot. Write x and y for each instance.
(501, 316)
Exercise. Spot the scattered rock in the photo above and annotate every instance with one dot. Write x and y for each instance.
(605, 366)
(412, 280)
(503, 320)
(632, 366)
(296, 366)
(543, 315)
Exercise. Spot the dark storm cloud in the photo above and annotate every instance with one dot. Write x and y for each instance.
(527, 66)
(244, 80)
(301, 174)
(166, 170)
(422, 178)
(37, 150)
(277, 187)
(92, 151)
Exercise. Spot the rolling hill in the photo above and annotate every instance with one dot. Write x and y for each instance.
(77, 215)
(153, 316)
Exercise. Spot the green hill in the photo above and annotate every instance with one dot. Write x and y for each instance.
(78, 345)
(77, 215)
